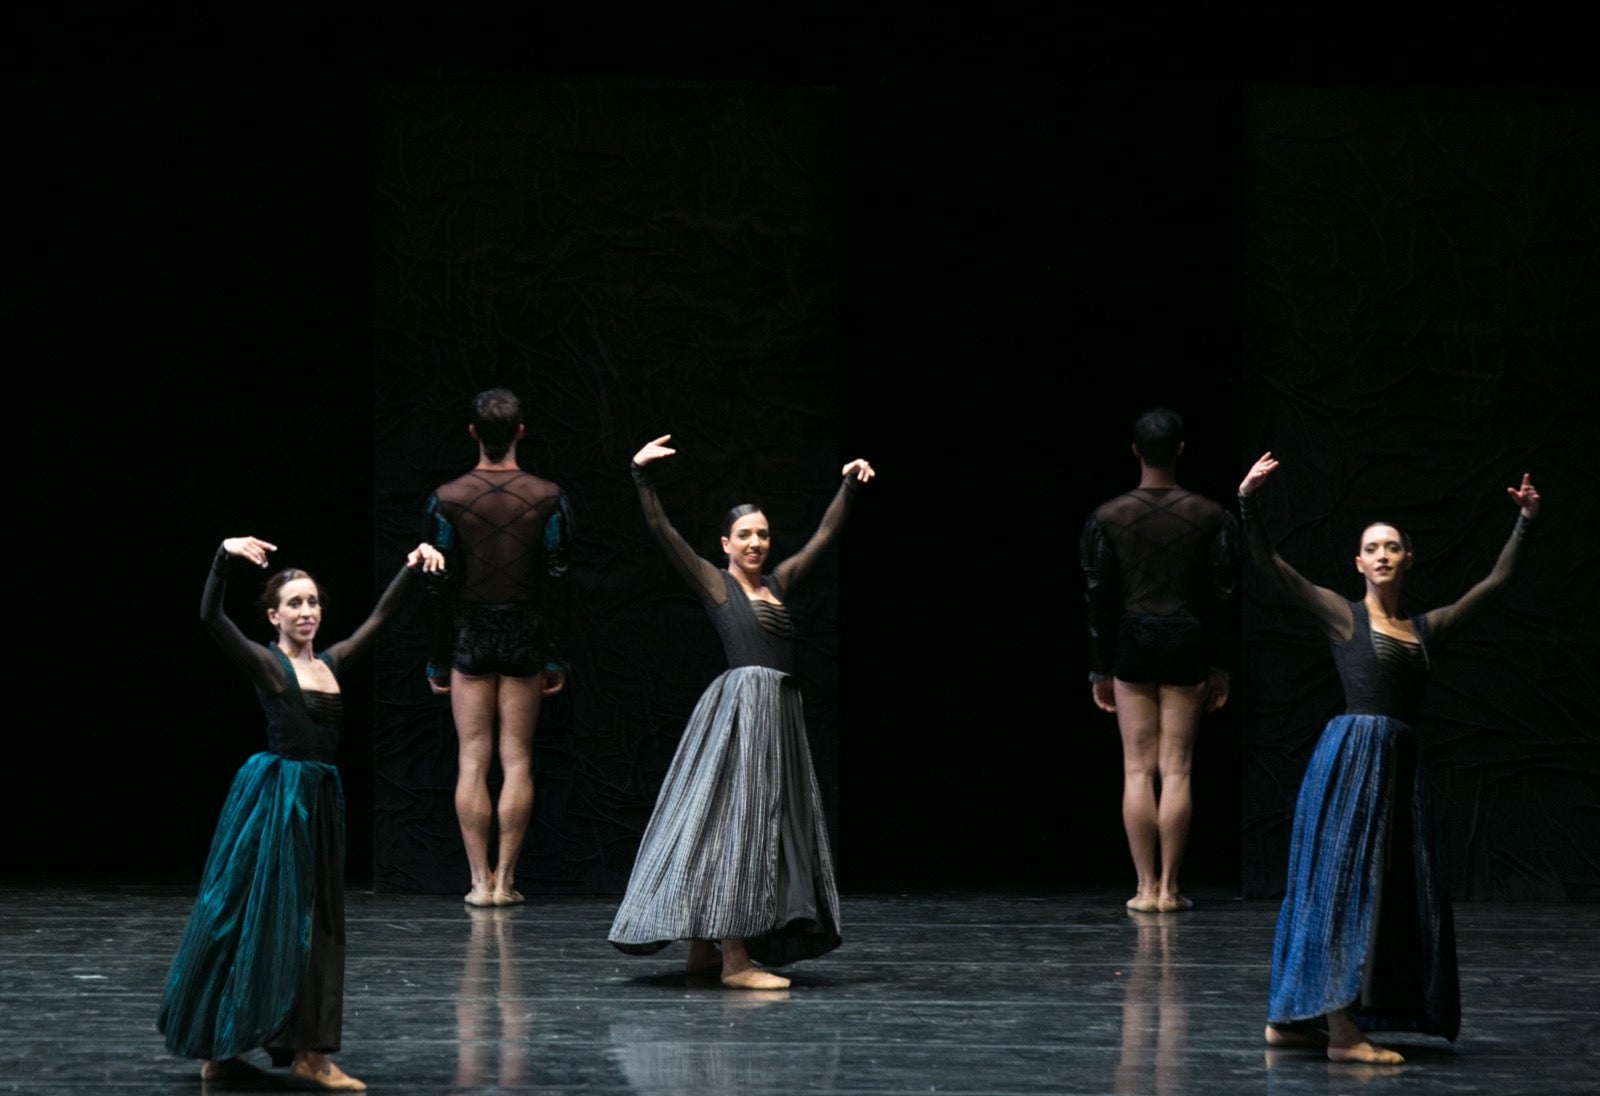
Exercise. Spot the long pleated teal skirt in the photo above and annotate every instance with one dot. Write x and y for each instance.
(1366, 922)
(242, 966)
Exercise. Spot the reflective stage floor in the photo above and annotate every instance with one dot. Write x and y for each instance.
(962, 992)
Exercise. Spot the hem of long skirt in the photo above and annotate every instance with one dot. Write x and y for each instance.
(778, 948)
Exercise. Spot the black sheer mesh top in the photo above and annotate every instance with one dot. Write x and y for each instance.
(302, 725)
(1161, 552)
(501, 531)
(1381, 675)
(753, 632)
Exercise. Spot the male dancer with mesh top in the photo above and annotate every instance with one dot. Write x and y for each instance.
(498, 632)
(1162, 570)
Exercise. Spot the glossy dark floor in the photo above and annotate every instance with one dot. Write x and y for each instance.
(951, 993)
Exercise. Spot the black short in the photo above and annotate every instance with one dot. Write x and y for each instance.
(499, 639)
(1154, 650)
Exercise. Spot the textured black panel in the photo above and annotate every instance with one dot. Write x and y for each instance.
(631, 259)
(1422, 320)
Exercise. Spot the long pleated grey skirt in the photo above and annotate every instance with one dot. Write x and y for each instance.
(1366, 922)
(737, 847)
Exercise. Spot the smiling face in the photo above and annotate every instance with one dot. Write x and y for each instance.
(747, 543)
(1383, 557)
(298, 612)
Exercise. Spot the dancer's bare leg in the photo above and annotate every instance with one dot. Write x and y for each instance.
(704, 958)
(519, 710)
(473, 704)
(1346, 1043)
(1139, 721)
(1295, 1035)
(314, 1067)
(739, 973)
(1181, 706)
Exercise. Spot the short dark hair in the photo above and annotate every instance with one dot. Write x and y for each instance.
(496, 414)
(743, 510)
(1158, 432)
(1405, 537)
(272, 593)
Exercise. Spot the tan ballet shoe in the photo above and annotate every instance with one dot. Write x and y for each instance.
(754, 978)
(1142, 904)
(1173, 904)
(507, 898)
(330, 1078)
(1365, 1052)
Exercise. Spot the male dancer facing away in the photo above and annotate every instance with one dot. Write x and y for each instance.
(498, 632)
(1162, 570)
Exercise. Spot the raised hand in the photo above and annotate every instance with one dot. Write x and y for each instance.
(654, 450)
(255, 549)
(430, 558)
(1526, 497)
(858, 468)
(1259, 471)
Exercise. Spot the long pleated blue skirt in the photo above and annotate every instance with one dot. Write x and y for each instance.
(241, 967)
(1366, 922)
(737, 846)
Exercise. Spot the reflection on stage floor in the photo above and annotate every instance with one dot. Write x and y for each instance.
(967, 992)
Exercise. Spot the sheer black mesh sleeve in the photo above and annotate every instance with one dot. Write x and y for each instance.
(1225, 560)
(1102, 596)
(792, 570)
(695, 569)
(1443, 621)
(1331, 610)
(439, 589)
(381, 614)
(251, 657)
(555, 592)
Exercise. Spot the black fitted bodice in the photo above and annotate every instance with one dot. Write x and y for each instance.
(1380, 675)
(754, 633)
(301, 726)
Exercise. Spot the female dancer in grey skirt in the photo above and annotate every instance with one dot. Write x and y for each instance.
(736, 852)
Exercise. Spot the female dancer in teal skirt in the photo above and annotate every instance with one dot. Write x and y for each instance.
(261, 963)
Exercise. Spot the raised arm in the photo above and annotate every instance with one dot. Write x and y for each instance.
(1442, 621)
(1331, 610)
(794, 569)
(252, 658)
(696, 570)
(424, 558)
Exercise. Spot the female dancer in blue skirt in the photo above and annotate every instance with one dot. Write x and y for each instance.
(736, 852)
(1365, 939)
(261, 963)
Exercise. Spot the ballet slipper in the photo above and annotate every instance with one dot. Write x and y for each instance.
(1142, 903)
(1287, 1035)
(754, 978)
(507, 898)
(328, 1077)
(1365, 1052)
(1174, 903)
(480, 898)
(231, 1069)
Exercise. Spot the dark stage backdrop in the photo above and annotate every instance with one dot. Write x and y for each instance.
(633, 259)
(1422, 324)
